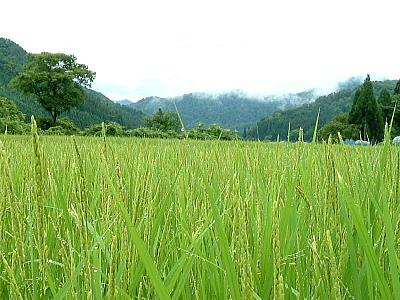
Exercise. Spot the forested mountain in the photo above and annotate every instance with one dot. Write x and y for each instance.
(305, 116)
(235, 110)
(12, 58)
(97, 108)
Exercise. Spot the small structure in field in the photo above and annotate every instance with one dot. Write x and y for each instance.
(396, 141)
(362, 143)
(357, 143)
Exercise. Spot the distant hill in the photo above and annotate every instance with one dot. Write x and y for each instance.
(305, 116)
(97, 108)
(234, 110)
(123, 102)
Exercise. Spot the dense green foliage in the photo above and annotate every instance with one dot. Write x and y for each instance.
(163, 121)
(339, 124)
(56, 80)
(126, 218)
(363, 111)
(366, 112)
(305, 117)
(96, 109)
(160, 125)
(390, 105)
(235, 110)
(213, 132)
(12, 58)
(11, 119)
(396, 90)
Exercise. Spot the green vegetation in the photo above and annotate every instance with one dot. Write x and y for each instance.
(96, 108)
(282, 123)
(367, 115)
(56, 80)
(235, 110)
(339, 125)
(163, 121)
(11, 119)
(12, 58)
(128, 218)
(366, 112)
(160, 125)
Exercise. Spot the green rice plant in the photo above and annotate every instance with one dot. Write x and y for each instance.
(131, 218)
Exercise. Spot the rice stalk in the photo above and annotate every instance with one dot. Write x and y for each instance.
(41, 232)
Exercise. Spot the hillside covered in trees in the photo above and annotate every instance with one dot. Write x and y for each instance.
(274, 116)
(235, 109)
(96, 108)
(305, 117)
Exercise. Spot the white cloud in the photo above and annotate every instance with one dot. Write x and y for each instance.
(167, 48)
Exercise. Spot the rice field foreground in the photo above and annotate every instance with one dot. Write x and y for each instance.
(125, 218)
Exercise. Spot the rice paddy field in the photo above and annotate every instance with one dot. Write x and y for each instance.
(127, 218)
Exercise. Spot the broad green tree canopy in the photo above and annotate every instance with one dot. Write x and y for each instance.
(56, 79)
(163, 121)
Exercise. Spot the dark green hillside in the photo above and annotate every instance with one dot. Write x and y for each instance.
(305, 116)
(12, 58)
(97, 108)
(234, 110)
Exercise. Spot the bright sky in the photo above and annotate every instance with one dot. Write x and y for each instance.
(167, 48)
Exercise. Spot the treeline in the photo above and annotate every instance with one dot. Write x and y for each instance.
(160, 125)
(374, 104)
(282, 124)
(236, 109)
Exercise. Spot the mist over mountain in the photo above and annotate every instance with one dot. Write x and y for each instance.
(236, 109)
(123, 102)
(281, 123)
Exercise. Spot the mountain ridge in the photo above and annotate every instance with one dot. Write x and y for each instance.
(281, 123)
(237, 109)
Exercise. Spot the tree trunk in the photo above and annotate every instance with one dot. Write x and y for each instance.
(54, 115)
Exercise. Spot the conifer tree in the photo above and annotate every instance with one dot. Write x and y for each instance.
(366, 113)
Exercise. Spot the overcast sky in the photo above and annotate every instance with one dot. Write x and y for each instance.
(167, 48)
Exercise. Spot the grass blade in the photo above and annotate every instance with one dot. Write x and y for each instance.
(140, 246)
(372, 259)
(227, 260)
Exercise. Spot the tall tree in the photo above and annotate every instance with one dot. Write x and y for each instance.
(367, 113)
(163, 121)
(56, 80)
